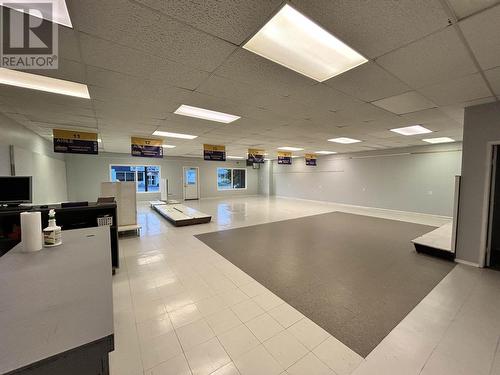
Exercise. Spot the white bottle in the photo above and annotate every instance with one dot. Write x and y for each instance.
(52, 234)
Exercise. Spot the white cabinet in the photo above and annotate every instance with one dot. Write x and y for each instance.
(126, 200)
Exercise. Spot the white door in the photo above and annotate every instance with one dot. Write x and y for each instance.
(191, 183)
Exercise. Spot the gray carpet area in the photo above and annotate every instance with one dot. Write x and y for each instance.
(355, 276)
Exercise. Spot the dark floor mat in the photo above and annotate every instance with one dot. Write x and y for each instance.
(355, 276)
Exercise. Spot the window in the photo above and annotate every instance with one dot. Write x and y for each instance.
(231, 179)
(146, 177)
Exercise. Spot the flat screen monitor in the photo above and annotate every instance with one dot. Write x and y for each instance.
(15, 190)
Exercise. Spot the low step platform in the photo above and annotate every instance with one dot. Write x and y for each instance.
(437, 242)
(130, 228)
(180, 215)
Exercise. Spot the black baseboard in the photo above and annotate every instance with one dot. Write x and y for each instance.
(434, 252)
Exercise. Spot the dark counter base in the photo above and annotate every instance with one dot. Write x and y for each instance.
(434, 252)
(89, 359)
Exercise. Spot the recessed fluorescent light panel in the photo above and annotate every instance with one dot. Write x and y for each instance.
(439, 140)
(174, 135)
(205, 114)
(296, 42)
(168, 146)
(344, 140)
(57, 12)
(290, 148)
(235, 157)
(325, 152)
(42, 83)
(412, 130)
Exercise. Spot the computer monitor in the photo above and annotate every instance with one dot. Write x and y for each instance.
(15, 190)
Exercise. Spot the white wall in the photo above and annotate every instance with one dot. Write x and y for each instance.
(4, 160)
(86, 172)
(481, 130)
(265, 178)
(49, 175)
(417, 179)
(33, 156)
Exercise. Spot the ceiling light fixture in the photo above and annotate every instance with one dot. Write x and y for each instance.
(286, 148)
(439, 140)
(168, 146)
(325, 152)
(344, 140)
(205, 114)
(235, 157)
(41, 83)
(298, 43)
(57, 13)
(174, 135)
(411, 130)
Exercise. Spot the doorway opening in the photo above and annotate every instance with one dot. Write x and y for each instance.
(191, 183)
(493, 240)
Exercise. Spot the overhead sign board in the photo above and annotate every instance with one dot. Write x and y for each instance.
(284, 157)
(146, 148)
(73, 142)
(310, 159)
(255, 156)
(214, 152)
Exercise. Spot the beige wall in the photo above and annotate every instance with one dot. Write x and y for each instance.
(417, 179)
(86, 172)
(33, 156)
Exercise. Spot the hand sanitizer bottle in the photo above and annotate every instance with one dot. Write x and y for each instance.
(52, 234)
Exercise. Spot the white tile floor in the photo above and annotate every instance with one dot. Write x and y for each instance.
(182, 309)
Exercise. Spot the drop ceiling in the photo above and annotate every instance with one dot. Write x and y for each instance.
(142, 59)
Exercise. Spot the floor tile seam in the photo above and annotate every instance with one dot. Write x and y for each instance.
(450, 323)
(182, 350)
(268, 339)
(495, 355)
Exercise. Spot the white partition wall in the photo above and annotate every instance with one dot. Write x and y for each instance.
(418, 179)
(126, 202)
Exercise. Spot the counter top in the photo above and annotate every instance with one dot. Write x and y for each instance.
(56, 299)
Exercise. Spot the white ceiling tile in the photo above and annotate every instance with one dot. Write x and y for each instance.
(463, 89)
(368, 82)
(236, 91)
(436, 58)
(408, 102)
(146, 30)
(424, 116)
(323, 97)
(481, 32)
(456, 111)
(375, 27)
(464, 8)
(152, 66)
(68, 70)
(493, 77)
(68, 44)
(234, 21)
(108, 55)
(245, 66)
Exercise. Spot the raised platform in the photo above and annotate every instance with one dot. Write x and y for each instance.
(437, 242)
(129, 228)
(180, 215)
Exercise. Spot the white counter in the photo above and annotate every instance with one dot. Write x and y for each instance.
(56, 299)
